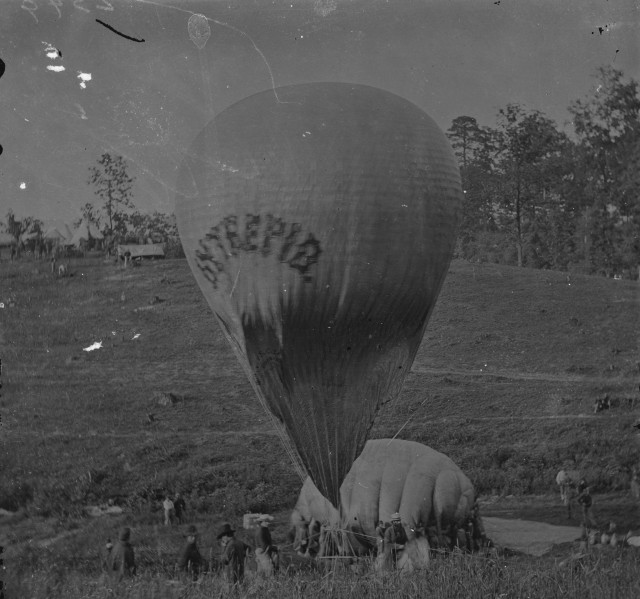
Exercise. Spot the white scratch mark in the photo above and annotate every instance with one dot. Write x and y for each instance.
(83, 114)
(243, 33)
(56, 68)
(84, 77)
(235, 283)
(135, 336)
(23, 185)
(231, 169)
(51, 51)
(95, 345)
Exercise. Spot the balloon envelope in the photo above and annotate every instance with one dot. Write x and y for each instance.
(391, 475)
(319, 221)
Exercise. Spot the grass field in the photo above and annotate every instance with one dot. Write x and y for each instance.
(504, 383)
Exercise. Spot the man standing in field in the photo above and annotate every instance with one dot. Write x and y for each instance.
(234, 553)
(190, 559)
(106, 555)
(179, 508)
(584, 499)
(267, 558)
(566, 484)
(123, 563)
(395, 538)
(167, 506)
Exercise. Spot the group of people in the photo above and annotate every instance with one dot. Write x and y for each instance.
(579, 492)
(391, 538)
(119, 559)
(174, 510)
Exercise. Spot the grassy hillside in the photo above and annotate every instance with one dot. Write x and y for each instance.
(504, 383)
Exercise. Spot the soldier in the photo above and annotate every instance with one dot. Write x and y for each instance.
(395, 538)
(179, 507)
(190, 558)
(123, 563)
(585, 500)
(167, 506)
(234, 553)
(267, 557)
(106, 555)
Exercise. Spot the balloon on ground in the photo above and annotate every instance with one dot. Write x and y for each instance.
(319, 221)
(391, 475)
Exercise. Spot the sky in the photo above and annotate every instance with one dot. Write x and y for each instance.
(134, 78)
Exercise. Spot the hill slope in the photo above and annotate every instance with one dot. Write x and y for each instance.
(504, 383)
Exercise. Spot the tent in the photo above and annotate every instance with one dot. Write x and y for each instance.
(84, 232)
(150, 250)
(6, 240)
(54, 235)
(28, 236)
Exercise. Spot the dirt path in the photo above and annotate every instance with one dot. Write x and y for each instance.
(150, 434)
(521, 376)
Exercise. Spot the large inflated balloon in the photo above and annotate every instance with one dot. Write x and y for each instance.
(391, 475)
(319, 221)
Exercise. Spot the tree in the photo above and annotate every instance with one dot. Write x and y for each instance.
(90, 214)
(607, 185)
(17, 227)
(529, 147)
(113, 185)
(475, 148)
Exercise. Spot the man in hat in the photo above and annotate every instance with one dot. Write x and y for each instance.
(190, 558)
(123, 561)
(585, 500)
(267, 557)
(395, 538)
(234, 553)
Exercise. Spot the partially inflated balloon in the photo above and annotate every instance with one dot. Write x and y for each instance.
(319, 221)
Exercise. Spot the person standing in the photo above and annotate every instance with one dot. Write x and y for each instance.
(395, 539)
(123, 562)
(190, 558)
(380, 530)
(179, 508)
(106, 555)
(167, 506)
(267, 557)
(566, 484)
(585, 500)
(234, 553)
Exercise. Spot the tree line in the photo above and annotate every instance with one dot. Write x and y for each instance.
(115, 217)
(538, 196)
